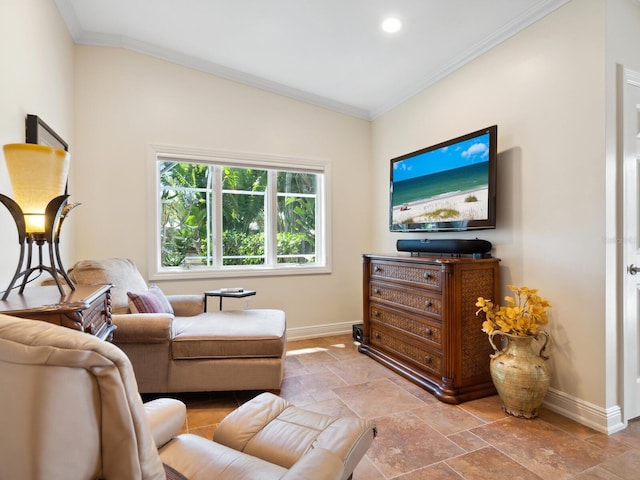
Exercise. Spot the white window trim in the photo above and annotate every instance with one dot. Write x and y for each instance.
(190, 154)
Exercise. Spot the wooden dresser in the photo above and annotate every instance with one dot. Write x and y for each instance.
(420, 321)
(87, 308)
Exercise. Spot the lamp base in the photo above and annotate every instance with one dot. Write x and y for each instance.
(55, 269)
(54, 216)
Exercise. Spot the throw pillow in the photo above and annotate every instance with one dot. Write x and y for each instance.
(160, 294)
(151, 301)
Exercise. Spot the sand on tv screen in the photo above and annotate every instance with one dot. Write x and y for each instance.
(443, 188)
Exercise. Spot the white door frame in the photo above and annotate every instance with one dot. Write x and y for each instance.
(630, 338)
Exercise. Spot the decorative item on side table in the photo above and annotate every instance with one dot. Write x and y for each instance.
(38, 175)
(519, 373)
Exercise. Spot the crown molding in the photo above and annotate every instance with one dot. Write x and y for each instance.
(535, 13)
(531, 16)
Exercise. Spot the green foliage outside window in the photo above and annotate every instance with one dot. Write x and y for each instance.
(189, 206)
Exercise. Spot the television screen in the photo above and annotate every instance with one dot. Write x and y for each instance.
(446, 187)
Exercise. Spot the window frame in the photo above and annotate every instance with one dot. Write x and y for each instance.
(159, 153)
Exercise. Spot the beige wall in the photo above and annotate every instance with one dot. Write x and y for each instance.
(126, 101)
(36, 54)
(549, 90)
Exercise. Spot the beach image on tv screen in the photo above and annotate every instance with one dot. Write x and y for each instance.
(450, 184)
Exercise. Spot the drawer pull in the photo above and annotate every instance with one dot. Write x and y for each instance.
(376, 336)
(428, 275)
(377, 268)
(428, 360)
(376, 313)
(428, 303)
(428, 332)
(376, 291)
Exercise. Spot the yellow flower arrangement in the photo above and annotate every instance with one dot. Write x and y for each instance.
(521, 316)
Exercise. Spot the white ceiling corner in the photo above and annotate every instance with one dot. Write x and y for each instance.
(330, 53)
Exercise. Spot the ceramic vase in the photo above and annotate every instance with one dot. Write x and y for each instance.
(520, 373)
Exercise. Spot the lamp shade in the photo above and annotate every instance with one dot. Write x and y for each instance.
(38, 174)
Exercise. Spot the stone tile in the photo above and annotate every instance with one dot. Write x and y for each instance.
(311, 388)
(542, 448)
(610, 444)
(447, 419)
(311, 355)
(570, 426)
(366, 470)
(343, 348)
(359, 370)
(328, 375)
(210, 412)
(596, 473)
(488, 409)
(490, 464)
(334, 407)
(439, 471)
(630, 435)
(405, 443)
(318, 381)
(468, 441)
(412, 388)
(625, 466)
(377, 398)
(294, 367)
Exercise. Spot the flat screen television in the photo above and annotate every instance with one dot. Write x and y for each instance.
(446, 187)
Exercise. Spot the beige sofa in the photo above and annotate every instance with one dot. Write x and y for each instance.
(70, 410)
(189, 350)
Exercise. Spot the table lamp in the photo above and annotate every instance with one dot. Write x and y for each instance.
(38, 176)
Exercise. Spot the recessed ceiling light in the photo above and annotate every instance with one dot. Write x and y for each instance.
(391, 25)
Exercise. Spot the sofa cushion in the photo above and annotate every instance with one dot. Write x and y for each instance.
(151, 301)
(120, 272)
(230, 334)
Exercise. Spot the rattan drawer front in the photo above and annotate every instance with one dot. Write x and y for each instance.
(421, 357)
(429, 331)
(420, 300)
(422, 275)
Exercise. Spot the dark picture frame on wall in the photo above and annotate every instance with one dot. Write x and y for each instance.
(37, 131)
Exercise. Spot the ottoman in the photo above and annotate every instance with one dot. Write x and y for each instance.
(271, 429)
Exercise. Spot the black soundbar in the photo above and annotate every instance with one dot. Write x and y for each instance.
(453, 245)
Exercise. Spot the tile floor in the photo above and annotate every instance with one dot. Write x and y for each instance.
(422, 438)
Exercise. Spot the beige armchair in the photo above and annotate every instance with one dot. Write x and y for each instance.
(69, 409)
(184, 349)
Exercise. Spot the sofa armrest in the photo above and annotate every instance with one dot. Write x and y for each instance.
(166, 417)
(316, 464)
(186, 305)
(142, 328)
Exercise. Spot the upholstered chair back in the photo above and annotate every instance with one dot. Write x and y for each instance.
(122, 273)
(69, 407)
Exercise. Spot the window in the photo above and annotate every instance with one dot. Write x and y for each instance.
(238, 215)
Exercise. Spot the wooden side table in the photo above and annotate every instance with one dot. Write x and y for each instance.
(87, 308)
(222, 293)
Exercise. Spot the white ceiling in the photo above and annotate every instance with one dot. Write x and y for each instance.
(331, 53)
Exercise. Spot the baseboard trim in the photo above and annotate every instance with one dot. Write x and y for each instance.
(604, 420)
(327, 330)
